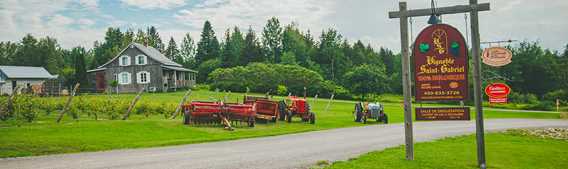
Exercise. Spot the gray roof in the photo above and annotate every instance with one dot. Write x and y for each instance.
(26, 72)
(150, 52)
(156, 55)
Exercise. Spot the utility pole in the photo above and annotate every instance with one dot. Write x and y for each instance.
(475, 47)
(406, 89)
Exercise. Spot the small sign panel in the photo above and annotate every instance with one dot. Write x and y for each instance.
(440, 64)
(442, 113)
(497, 92)
(497, 56)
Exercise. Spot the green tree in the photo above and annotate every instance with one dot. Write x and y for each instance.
(365, 79)
(79, 66)
(252, 51)
(207, 67)
(232, 49)
(27, 53)
(172, 51)
(7, 52)
(293, 41)
(154, 39)
(272, 38)
(289, 58)
(51, 56)
(330, 56)
(208, 46)
(112, 45)
(187, 52)
(140, 37)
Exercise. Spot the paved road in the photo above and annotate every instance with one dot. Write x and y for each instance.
(287, 151)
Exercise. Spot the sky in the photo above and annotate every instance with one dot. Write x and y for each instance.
(81, 22)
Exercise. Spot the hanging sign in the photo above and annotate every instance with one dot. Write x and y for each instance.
(497, 92)
(497, 56)
(440, 64)
(442, 113)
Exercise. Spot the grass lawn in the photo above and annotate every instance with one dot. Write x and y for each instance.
(507, 150)
(44, 136)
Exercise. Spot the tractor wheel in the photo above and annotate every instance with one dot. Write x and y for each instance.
(312, 118)
(289, 117)
(386, 119)
(364, 119)
(186, 117)
(251, 122)
(358, 117)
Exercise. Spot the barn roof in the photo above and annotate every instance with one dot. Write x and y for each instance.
(26, 72)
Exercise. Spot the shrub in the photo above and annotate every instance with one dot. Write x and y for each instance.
(203, 87)
(282, 90)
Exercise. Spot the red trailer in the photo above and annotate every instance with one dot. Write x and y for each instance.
(198, 112)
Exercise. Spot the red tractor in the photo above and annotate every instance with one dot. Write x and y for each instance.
(298, 107)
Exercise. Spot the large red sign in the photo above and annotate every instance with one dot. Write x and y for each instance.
(440, 64)
(497, 92)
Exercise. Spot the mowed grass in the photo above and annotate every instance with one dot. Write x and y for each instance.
(507, 150)
(44, 136)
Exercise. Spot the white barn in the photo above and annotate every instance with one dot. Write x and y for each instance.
(24, 76)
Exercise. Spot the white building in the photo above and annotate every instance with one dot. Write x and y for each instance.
(26, 77)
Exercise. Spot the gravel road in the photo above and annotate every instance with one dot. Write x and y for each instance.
(277, 152)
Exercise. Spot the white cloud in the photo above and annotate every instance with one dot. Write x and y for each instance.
(89, 4)
(244, 13)
(42, 18)
(154, 4)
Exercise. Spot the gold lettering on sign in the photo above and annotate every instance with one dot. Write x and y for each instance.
(440, 40)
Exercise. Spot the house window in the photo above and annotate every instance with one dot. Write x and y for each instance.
(141, 60)
(124, 60)
(143, 77)
(124, 78)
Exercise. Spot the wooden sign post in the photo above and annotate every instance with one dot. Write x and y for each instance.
(473, 8)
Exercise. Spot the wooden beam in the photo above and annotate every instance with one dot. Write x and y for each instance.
(69, 100)
(441, 11)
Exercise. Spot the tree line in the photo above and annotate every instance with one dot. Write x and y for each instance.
(353, 66)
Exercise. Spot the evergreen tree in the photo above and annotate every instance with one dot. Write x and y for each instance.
(7, 52)
(154, 39)
(208, 46)
(128, 37)
(79, 65)
(140, 37)
(252, 51)
(232, 49)
(27, 54)
(330, 57)
(272, 38)
(51, 56)
(293, 41)
(172, 51)
(187, 52)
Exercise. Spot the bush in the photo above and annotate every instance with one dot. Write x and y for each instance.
(260, 77)
(202, 87)
(282, 90)
(543, 105)
(520, 98)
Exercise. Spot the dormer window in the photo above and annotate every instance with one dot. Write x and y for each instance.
(124, 60)
(141, 60)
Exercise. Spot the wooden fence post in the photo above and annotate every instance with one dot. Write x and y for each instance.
(132, 104)
(66, 108)
(181, 104)
(329, 103)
